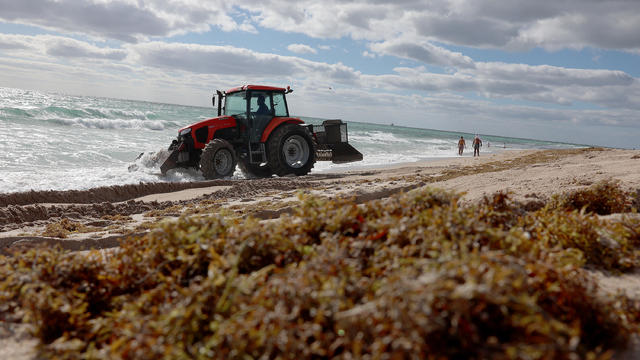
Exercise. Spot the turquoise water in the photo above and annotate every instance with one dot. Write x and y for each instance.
(53, 141)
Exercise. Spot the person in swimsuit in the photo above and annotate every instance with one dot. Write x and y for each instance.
(476, 145)
(461, 145)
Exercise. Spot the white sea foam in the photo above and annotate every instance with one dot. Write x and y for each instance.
(377, 137)
(97, 123)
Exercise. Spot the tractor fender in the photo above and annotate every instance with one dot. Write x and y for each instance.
(275, 122)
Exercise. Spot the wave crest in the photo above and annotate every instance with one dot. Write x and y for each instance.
(93, 123)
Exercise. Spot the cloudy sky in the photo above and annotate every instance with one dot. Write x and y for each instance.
(564, 70)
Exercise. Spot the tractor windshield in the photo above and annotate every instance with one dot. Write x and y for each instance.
(280, 105)
(236, 103)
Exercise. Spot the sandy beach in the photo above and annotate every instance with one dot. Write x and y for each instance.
(100, 218)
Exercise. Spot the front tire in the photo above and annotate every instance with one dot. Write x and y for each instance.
(218, 159)
(291, 151)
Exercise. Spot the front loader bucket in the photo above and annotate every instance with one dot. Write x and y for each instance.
(344, 153)
(170, 163)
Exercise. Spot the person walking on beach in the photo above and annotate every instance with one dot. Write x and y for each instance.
(476, 145)
(461, 145)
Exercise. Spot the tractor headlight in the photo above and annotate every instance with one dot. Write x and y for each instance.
(184, 132)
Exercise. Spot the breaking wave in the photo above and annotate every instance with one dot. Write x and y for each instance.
(97, 123)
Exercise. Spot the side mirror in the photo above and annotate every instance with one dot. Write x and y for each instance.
(213, 101)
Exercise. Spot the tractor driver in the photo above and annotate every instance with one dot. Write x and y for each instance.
(263, 109)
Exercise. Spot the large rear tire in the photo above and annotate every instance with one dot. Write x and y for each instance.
(291, 150)
(254, 171)
(218, 159)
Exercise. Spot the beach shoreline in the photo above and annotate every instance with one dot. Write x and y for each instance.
(527, 174)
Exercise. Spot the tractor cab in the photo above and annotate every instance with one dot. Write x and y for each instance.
(253, 107)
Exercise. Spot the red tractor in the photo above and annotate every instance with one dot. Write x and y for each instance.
(254, 130)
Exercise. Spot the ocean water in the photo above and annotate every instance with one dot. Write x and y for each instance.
(52, 141)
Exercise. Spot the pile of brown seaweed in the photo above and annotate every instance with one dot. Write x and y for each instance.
(603, 198)
(411, 276)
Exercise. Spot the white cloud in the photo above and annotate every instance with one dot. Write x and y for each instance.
(301, 49)
(465, 30)
(125, 20)
(328, 19)
(368, 54)
(15, 42)
(605, 26)
(553, 75)
(228, 60)
(541, 84)
(65, 47)
(425, 52)
(58, 46)
(118, 20)
(516, 24)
